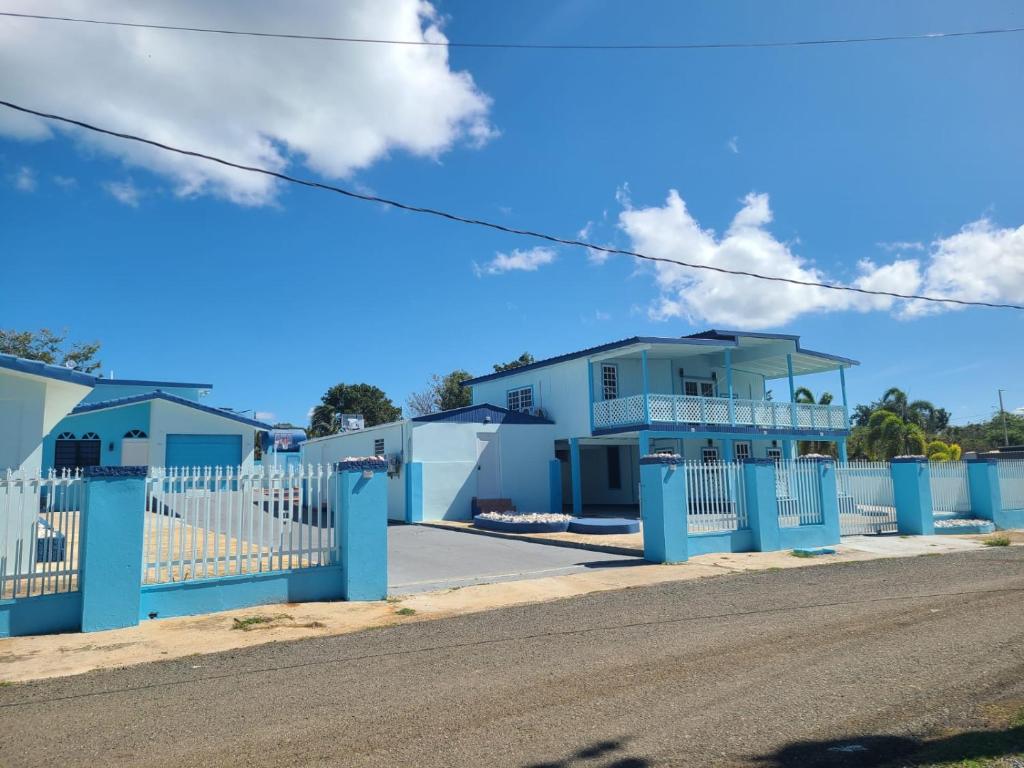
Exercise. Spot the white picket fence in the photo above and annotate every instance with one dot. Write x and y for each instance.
(865, 497)
(210, 522)
(39, 533)
(950, 492)
(715, 496)
(797, 489)
(1011, 483)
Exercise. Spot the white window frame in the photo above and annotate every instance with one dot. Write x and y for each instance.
(711, 451)
(378, 446)
(701, 385)
(746, 446)
(774, 453)
(609, 385)
(519, 399)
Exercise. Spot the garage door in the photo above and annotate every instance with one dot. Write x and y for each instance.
(204, 450)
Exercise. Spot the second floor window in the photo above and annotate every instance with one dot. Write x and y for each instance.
(609, 382)
(378, 446)
(519, 399)
(698, 387)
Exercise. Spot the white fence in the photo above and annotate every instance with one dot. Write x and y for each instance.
(205, 523)
(950, 492)
(865, 497)
(798, 491)
(39, 533)
(715, 497)
(1011, 483)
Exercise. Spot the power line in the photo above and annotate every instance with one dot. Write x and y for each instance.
(493, 225)
(528, 46)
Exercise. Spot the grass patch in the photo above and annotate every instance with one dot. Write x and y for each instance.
(996, 540)
(5, 683)
(405, 612)
(392, 599)
(801, 553)
(249, 623)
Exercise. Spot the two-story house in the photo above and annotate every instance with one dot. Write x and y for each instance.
(704, 396)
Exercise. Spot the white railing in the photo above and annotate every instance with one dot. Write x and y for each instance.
(950, 492)
(1011, 482)
(715, 496)
(797, 489)
(686, 409)
(204, 523)
(39, 533)
(865, 498)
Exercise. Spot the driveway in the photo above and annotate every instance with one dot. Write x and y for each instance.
(421, 559)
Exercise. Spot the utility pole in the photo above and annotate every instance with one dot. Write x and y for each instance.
(1006, 433)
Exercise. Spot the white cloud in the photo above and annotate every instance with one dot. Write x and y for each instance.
(25, 179)
(267, 416)
(901, 245)
(733, 144)
(65, 182)
(521, 261)
(336, 108)
(124, 192)
(995, 256)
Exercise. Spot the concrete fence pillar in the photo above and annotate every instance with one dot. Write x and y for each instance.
(912, 494)
(555, 486)
(414, 492)
(828, 500)
(362, 528)
(111, 527)
(986, 497)
(663, 508)
(762, 504)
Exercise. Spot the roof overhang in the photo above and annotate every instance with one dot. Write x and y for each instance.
(122, 402)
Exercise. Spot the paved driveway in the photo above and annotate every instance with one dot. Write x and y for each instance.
(422, 558)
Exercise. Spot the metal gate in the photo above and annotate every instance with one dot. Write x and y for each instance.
(865, 496)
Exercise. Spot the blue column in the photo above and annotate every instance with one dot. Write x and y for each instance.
(762, 505)
(846, 407)
(362, 503)
(828, 501)
(912, 490)
(727, 449)
(647, 388)
(986, 496)
(663, 507)
(788, 451)
(555, 485)
(841, 450)
(792, 391)
(110, 559)
(575, 475)
(414, 492)
(728, 386)
(590, 389)
(644, 443)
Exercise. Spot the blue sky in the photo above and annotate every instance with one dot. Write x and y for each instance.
(884, 152)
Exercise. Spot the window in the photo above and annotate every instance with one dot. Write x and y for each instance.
(520, 399)
(698, 387)
(133, 433)
(69, 453)
(614, 468)
(609, 382)
(775, 454)
(709, 455)
(378, 446)
(741, 451)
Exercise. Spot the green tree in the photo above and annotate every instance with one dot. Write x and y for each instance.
(937, 450)
(50, 347)
(888, 435)
(822, 447)
(987, 435)
(364, 399)
(524, 359)
(442, 393)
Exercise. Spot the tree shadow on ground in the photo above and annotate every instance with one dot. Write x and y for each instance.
(883, 751)
(601, 754)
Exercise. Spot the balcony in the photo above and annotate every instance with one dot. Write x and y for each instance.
(684, 410)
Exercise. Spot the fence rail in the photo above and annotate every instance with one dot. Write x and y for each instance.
(1011, 482)
(39, 533)
(950, 492)
(798, 491)
(715, 497)
(866, 499)
(206, 523)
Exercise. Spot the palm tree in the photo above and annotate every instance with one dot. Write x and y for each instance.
(888, 435)
(923, 413)
(804, 395)
(942, 451)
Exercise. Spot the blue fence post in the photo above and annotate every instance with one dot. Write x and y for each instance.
(912, 492)
(362, 504)
(576, 474)
(663, 508)
(986, 497)
(414, 492)
(110, 561)
(828, 500)
(762, 504)
(555, 483)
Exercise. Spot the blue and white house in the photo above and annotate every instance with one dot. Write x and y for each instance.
(132, 422)
(704, 396)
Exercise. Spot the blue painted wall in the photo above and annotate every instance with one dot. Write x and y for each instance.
(111, 425)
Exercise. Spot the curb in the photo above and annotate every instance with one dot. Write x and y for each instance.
(605, 548)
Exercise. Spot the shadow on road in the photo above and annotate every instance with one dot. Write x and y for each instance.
(596, 755)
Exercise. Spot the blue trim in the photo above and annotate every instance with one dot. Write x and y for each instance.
(37, 368)
(475, 414)
(506, 526)
(909, 460)
(720, 430)
(122, 401)
(106, 473)
(147, 383)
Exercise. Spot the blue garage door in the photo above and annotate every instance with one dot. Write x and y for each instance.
(204, 450)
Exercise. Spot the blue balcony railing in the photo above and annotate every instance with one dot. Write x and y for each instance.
(687, 410)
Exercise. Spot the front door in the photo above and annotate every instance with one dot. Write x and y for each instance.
(135, 452)
(488, 466)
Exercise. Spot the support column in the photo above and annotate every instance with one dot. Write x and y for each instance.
(644, 443)
(792, 392)
(846, 407)
(986, 496)
(110, 560)
(727, 449)
(590, 389)
(647, 388)
(828, 501)
(762, 504)
(362, 503)
(414, 492)
(728, 386)
(575, 474)
(663, 508)
(789, 449)
(912, 491)
(555, 486)
(841, 450)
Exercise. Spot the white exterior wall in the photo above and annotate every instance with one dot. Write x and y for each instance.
(171, 418)
(30, 406)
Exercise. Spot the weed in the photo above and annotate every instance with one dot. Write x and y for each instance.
(5, 683)
(997, 540)
(393, 599)
(252, 622)
(405, 612)
(801, 553)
